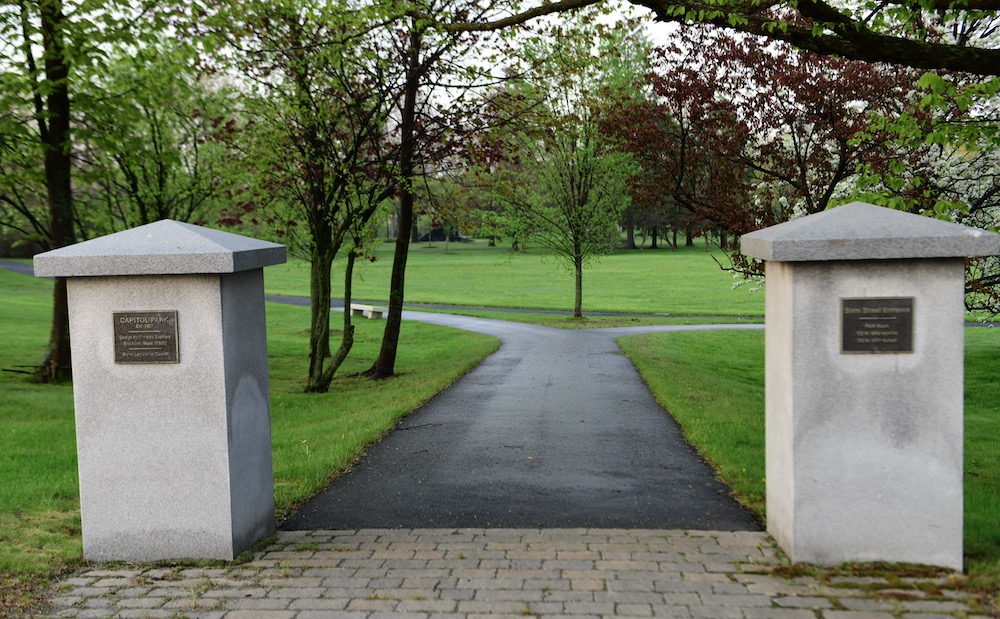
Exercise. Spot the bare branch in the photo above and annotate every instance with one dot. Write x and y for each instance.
(547, 8)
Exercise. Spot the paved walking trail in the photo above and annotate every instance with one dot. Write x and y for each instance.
(556, 429)
(456, 551)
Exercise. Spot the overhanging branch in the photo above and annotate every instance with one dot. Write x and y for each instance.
(844, 36)
(953, 5)
(546, 8)
(841, 35)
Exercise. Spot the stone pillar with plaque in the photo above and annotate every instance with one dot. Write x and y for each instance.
(171, 390)
(864, 384)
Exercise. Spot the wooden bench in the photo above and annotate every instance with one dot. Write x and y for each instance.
(368, 311)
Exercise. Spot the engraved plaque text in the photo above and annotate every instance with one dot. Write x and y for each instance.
(877, 326)
(146, 337)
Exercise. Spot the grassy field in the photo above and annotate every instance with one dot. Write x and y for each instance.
(473, 274)
(718, 398)
(39, 505)
(982, 467)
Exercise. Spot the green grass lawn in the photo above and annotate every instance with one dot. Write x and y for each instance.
(39, 505)
(713, 384)
(652, 282)
(982, 467)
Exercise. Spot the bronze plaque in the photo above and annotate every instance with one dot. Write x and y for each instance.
(146, 337)
(877, 326)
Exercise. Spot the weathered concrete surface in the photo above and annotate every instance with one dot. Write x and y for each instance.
(864, 431)
(174, 459)
(864, 451)
(175, 456)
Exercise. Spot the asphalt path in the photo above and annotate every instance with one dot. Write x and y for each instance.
(24, 268)
(556, 429)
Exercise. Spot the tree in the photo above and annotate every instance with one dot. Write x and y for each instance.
(812, 116)
(416, 67)
(43, 25)
(575, 202)
(937, 34)
(436, 61)
(686, 140)
(23, 207)
(48, 88)
(756, 132)
(560, 179)
(49, 48)
(318, 138)
(822, 131)
(348, 116)
(53, 121)
(955, 127)
(148, 146)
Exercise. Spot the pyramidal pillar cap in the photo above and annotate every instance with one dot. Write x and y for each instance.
(165, 247)
(862, 231)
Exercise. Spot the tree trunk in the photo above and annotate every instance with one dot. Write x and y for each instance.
(322, 384)
(319, 294)
(578, 273)
(724, 239)
(57, 364)
(385, 365)
(629, 224)
(653, 245)
(54, 129)
(673, 245)
(688, 237)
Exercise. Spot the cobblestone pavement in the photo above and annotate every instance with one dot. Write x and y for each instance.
(466, 573)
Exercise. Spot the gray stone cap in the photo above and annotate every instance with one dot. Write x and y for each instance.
(164, 247)
(861, 231)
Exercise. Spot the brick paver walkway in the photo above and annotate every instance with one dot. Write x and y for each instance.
(467, 573)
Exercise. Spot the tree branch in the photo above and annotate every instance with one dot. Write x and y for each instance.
(953, 5)
(844, 36)
(546, 8)
(850, 38)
